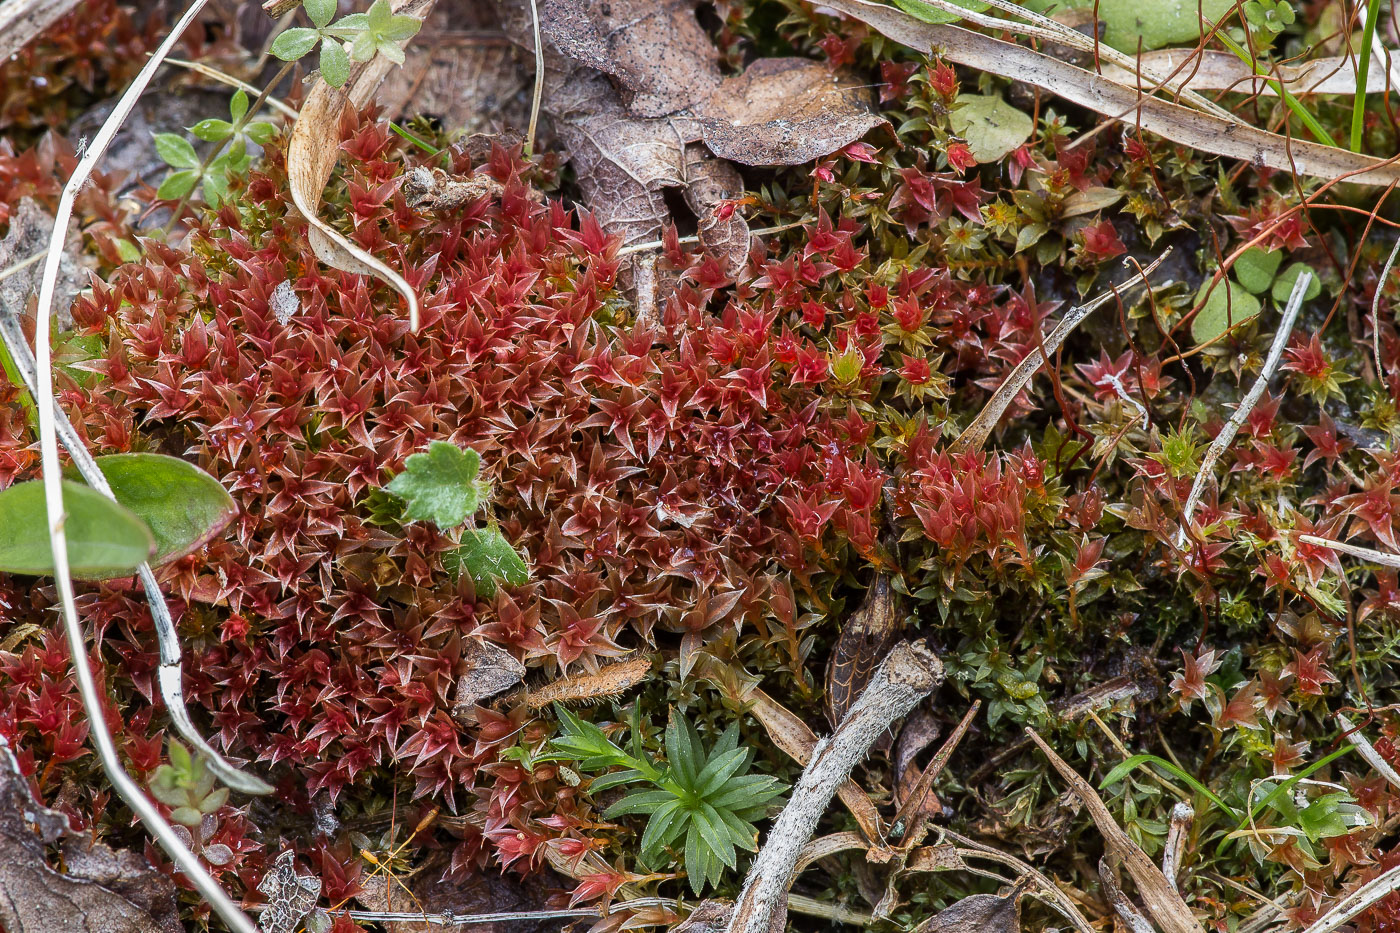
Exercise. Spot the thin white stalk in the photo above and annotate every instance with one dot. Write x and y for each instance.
(1344, 910)
(1368, 751)
(168, 674)
(22, 264)
(1181, 819)
(539, 79)
(1227, 433)
(907, 675)
(1376, 309)
(976, 433)
(223, 77)
(1355, 550)
(122, 783)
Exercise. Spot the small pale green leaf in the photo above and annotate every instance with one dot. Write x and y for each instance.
(183, 506)
(176, 151)
(351, 23)
(991, 126)
(486, 556)
(1283, 285)
(335, 63)
(215, 188)
(176, 185)
(364, 47)
(320, 12)
(212, 130)
(391, 51)
(928, 13)
(260, 132)
(128, 251)
(292, 44)
(105, 540)
(380, 14)
(439, 486)
(1255, 269)
(401, 27)
(1227, 306)
(1156, 23)
(238, 105)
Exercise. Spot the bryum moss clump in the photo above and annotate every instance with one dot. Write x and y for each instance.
(716, 487)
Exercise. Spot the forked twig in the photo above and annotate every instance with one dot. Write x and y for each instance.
(976, 433)
(168, 674)
(907, 675)
(1227, 433)
(122, 783)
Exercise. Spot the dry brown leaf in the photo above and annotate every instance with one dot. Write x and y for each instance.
(313, 150)
(490, 670)
(659, 57)
(431, 190)
(1120, 101)
(919, 732)
(102, 892)
(709, 183)
(784, 111)
(865, 639)
(1163, 902)
(980, 913)
(942, 857)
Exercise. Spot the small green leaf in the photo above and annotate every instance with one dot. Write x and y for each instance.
(176, 151)
(380, 14)
(401, 27)
(128, 251)
(294, 43)
(991, 126)
(352, 23)
(238, 105)
(212, 130)
(216, 187)
(1122, 769)
(364, 47)
(391, 51)
(928, 13)
(486, 556)
(260, 132)
(1226, 306)
(335, 63)
(183, 506)
(440, 485)
(176, 185)
(1255, 269)
(105, 540)
(1283, 285)
(319, 12)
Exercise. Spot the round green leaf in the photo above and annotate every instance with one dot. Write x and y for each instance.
(991, 126)
(176, 151)
(1283, 285)
(294, 43)
(176, 185)
(184, 506)
(1255, 269)
(105, 540)
(335, 63)
(1156, 22)
(1228, 306)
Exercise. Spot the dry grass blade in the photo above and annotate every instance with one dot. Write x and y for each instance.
(22, 20)
(1043, 890)
(1368, 751)
(1227, 433)
(122, 783)
(1354, 550)
(1212, 70)
(1163, 903)
(1202, 131)
(313, 150)
(976, 433)
(935, 768)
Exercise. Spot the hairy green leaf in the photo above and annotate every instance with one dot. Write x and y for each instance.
(440, 485)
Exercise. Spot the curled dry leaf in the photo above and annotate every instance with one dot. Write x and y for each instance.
(313, 150)
(920, 731)
(490, 670)
(865, 639)
(1118, 101)
(103, 890)
(632, 85)
(290, 895)
(980, 913)
(431, 190)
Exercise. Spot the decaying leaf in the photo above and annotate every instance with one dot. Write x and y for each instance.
(865, 639)
(490, 670)
(30, 228)
(631, 85)
(103, 891)
(920, 730)
(609, 681)
(980, 913)
(431, 190)
(941, 857)
(290, 895)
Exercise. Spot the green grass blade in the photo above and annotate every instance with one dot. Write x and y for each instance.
(1363, 67)
(1301, 112)
(1123, 768)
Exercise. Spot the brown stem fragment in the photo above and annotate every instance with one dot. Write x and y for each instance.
(1163, 902)
(906, 676)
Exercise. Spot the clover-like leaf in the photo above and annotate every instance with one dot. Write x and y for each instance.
(991, 126)
(928, 13)
(1227, 305)
(486, 556)
(292, 44)
(440, 485)
(175, 151)
(105, 540)
(1255, 269)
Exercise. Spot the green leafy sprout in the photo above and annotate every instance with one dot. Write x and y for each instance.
(707, 798)
(357, 37)
(186, 785)
(442, 485)
(189, 170)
